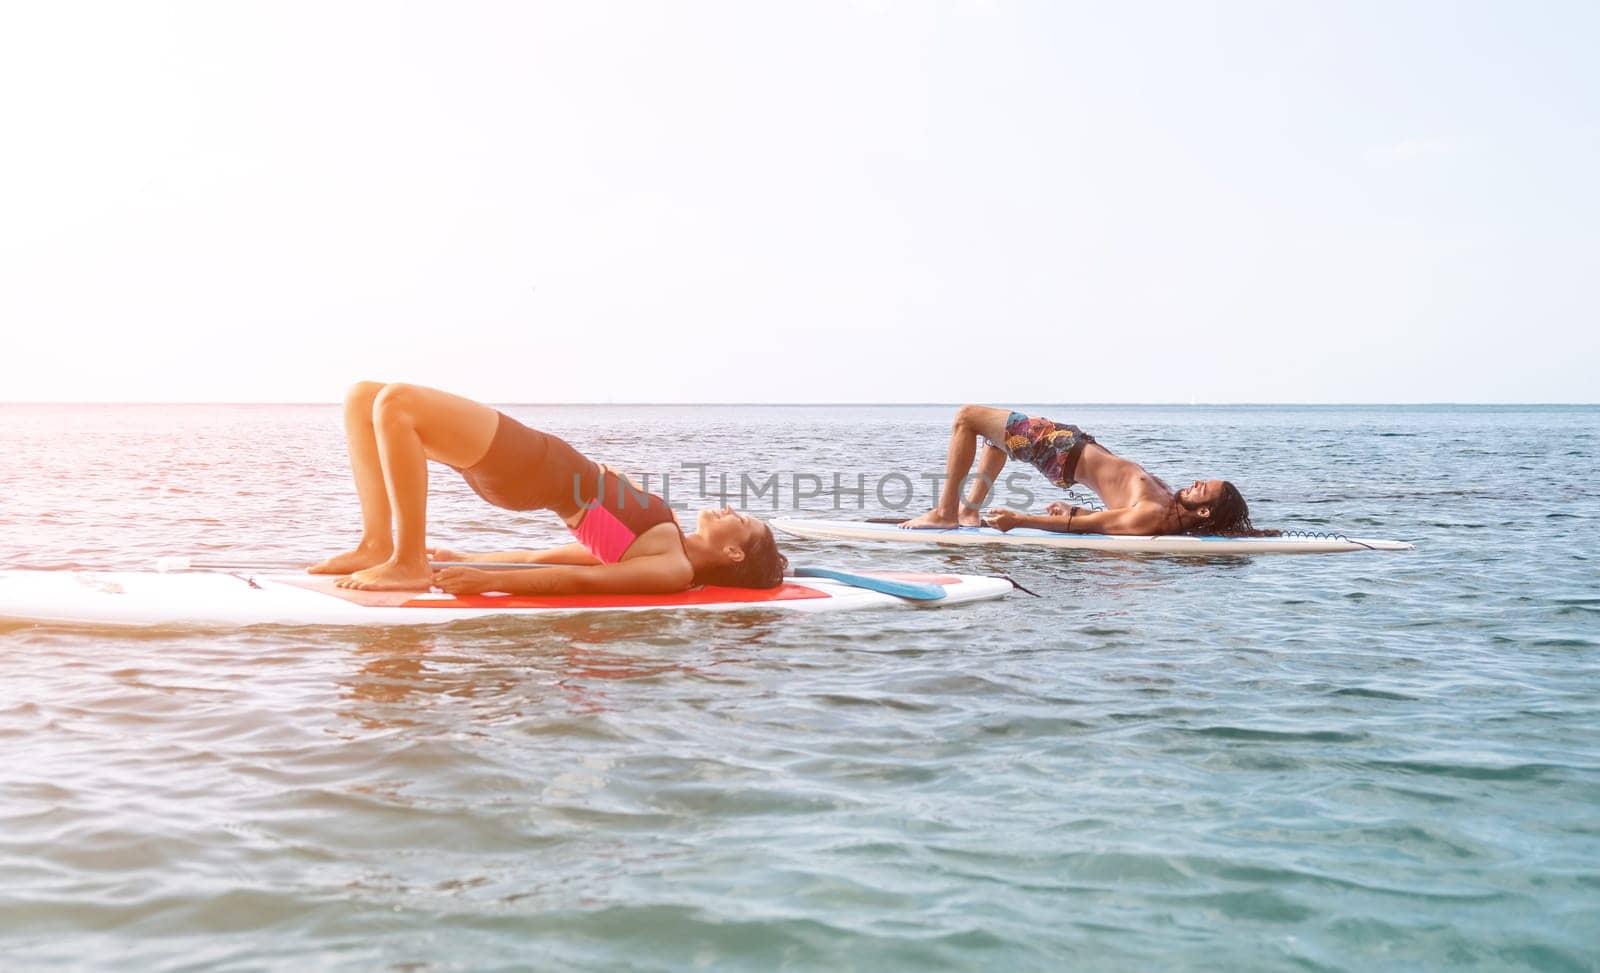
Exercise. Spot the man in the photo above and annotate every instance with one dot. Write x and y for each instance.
(1136, 502)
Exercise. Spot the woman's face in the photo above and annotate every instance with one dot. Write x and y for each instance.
(728, 528)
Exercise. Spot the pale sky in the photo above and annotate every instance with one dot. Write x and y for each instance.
(801, 202)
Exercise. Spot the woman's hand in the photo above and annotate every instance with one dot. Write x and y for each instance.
(445, 554)
(1001, 518)
(464, 581)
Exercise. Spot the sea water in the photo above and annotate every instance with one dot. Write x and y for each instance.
(1340, 762)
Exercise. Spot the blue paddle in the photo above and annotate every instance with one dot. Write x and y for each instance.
(912, 590)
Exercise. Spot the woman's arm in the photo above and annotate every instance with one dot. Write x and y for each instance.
(647, 575)
(567, 554)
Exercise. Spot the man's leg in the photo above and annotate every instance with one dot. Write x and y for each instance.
(410, 426)
(971, 421)
(990, 464)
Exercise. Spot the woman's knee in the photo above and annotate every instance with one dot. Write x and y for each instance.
(397, 402)
(359, 397)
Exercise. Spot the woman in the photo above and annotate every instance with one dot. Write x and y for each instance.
(629, 542)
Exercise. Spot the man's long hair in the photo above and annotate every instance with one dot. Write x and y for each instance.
(1230, 517)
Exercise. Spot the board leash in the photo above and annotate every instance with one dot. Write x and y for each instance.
(1015, 584)
(1317, 535)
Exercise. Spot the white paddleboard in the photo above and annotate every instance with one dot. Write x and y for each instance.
(855, 530)
(228, 600)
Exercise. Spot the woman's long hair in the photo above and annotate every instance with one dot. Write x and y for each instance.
(1230, 517)
(763, 566)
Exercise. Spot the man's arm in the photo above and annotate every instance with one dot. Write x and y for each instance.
(1123, 520)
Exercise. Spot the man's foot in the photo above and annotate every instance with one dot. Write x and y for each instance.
(351, 561)
(391, 576)
(932, 520)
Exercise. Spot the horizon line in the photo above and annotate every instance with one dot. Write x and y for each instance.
(778, 405)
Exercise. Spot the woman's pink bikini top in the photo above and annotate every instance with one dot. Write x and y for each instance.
(618, 516)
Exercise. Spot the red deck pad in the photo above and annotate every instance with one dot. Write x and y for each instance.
(708, 595)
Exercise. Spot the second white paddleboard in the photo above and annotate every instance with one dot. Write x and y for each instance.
(1292, 543)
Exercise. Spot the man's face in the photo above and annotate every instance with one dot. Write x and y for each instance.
(1201, 493)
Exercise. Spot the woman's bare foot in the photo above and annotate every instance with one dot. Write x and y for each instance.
(364, 556)
(970, 517)
(933, 519)
(391, 575)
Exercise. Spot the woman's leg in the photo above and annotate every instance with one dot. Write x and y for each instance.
(377, 537)
(408, 425)
(971, 421)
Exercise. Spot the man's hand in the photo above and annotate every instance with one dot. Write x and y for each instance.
(445, 554)
(464, 581)
(1002, 519)
(1059, 508)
